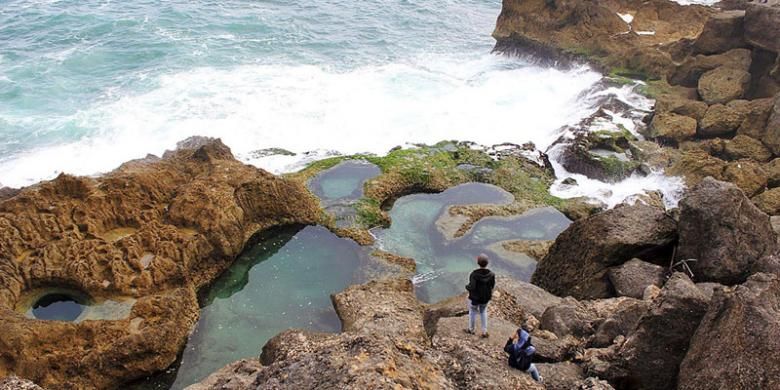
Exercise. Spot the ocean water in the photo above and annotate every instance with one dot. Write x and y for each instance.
(86, 85)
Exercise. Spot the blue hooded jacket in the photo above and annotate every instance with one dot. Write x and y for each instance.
(520, 353)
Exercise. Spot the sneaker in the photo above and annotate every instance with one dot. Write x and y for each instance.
(485, 335)
(469, 331)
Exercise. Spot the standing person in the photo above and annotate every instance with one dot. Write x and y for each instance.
(480, 288)
(521, 353)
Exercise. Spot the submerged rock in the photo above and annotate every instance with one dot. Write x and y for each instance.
(723, 231)
(578, 262)
(736, 344)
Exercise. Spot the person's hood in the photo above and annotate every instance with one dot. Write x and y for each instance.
(483, 274)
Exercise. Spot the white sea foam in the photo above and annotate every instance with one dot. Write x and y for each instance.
(489, 100)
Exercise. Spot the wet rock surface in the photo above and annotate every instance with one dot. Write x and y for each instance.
(154, 230)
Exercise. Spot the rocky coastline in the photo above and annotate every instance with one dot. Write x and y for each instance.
(627, 298)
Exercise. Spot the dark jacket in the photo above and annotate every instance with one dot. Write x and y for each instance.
(480, 287)
(520, 353)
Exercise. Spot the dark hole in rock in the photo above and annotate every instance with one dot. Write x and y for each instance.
(58, 307)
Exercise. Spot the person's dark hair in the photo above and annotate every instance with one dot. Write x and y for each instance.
(482, 260)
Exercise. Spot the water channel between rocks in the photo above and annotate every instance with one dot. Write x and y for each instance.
(285, 280)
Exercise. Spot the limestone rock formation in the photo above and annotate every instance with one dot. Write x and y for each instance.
(723, 84)
(747, 175)
(531, 298)
(149, 234)
(744, 147)
(673, 127)
(723, 231)
(652, 353)
(723, 31)
(768, 201)
(772, 138)
(632, 278)
(762, 26)
(736, 344)
(578, 262)
(720, 120)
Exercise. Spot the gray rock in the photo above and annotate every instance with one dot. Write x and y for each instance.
(631, 278)
(724, 231)
(736, 345)
(762, 26)
(578, 262)
(531, 298)
(772, 138)
(561, 376)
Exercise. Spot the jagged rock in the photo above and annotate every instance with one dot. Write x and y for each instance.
(691, 70)
(154, 231)
(673, 127)
(744, 147)
(561, 376)
(14, 383)
(720, 120)
(681, 106)
(713, 147)
(602, 155)
(695, 165)
(756, 117)
(532, 299)
(7, 192)
(235, 376)
(772, 170)
(747, 175)
(553, 349)
(708, 289)
(724, 231)
(620, 323)
(632, 277)
(577, 263)
(736, 344)
(722, 32)
(723, 84)
(762, 26)
(768, 201)
(652, 353)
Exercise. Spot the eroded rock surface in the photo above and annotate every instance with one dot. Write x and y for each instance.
(578, 262)
(155, 231)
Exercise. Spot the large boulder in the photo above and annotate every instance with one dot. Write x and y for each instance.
(762, 26)
(744, 147)
(531, 298)
(720, 120)
(772, 138)
(672, 127)
(671, 103)
(695, 165)
(577, 263)
(632, 278)
(652, 353)
(723, 231)
(561, 376)
(747, 175)
(723, 84)
(722, 32)
(772, 170)
(756, 117)
(736, 345)
(600, 320)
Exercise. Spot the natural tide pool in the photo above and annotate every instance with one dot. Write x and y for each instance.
(283, 282)
(340, 187)
(443, 265)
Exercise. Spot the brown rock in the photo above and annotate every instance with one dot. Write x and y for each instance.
(235, 376)
(691, 70)
(680, 106)
(747, 175)
(713, 147)
(579, 208)
(606, 318)
(756, 117)
(651, 355)
(620, 323)
(577, 263)
(762, 26)
(772, 170)
(672, 127)
(724, 231)
(722, 32)
(152, 232)
(723, 84)
(593, 383)
(768, 201)
(632, 277)
(744, 147)
(532, 299)
(695, 165)
(561, 376)
(720, 120)
(14, 383)
(745, 321)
